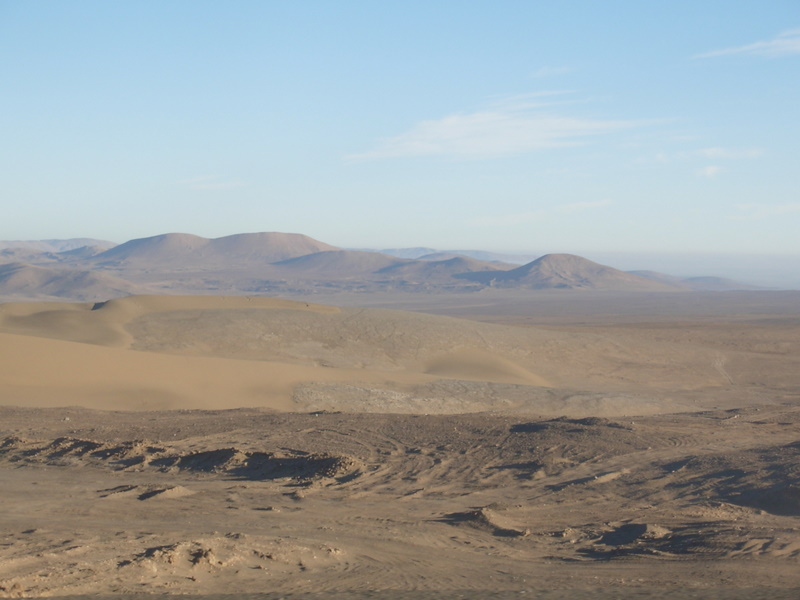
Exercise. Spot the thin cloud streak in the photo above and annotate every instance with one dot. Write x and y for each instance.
(732, 153)
(510, 127)
(752, 212)
(713, 153)
(784, 44)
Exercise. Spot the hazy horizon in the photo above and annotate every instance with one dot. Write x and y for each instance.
(778, 271)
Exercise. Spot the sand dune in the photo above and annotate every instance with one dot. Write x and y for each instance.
(104, 323)
(224, 352)
(480, 365)
(38, 372)
(88, 361)
(92, 356)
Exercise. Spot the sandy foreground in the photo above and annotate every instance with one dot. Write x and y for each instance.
(220, 446)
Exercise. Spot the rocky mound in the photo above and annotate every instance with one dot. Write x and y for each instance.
(140, 454)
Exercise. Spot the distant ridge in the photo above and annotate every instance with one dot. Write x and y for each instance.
(23, 280)
(269, 247)
(697, 284)
(273, 263)
(27, 255)
(716, 284)
(168, 247)
(423, 253)
(439, 256)
(417, 252)
(567, 271)
(191, 250)
(56, 245)
(437, 270)
(82, 252)
(334, 264)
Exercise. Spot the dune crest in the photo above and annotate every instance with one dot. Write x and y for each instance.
(225, 352)
(104, 323)
(479, 365)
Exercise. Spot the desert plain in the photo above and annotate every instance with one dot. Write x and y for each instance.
(498, 443)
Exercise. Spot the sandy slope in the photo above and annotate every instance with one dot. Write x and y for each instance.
(92, 363)
(221, 352)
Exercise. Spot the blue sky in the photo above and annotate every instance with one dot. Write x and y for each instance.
(587, 127)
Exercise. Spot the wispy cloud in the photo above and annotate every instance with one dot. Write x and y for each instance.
(752, 212)
(720, 153)
(511, 126)
(709, 172)
(783, 44)
(537, 215)
(732, 153)
(717, 153)
(209, 182)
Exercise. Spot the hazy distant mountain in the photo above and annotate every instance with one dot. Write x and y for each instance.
(426, 270)
(660, 277)
(517, 259)
(567, 271)
(403, 252)
(434, 254)
(335, 264)
(233, 251)
(156, 250)
(30, 281)
(27, 255)
(280, 263)
(699, 284)
(82, 252)
(56, 245)
(31, 255)
(716, 284)
(439, 256)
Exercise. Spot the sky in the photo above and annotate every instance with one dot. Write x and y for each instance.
(598, 128)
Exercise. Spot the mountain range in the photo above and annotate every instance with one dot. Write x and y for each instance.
(275, 263)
